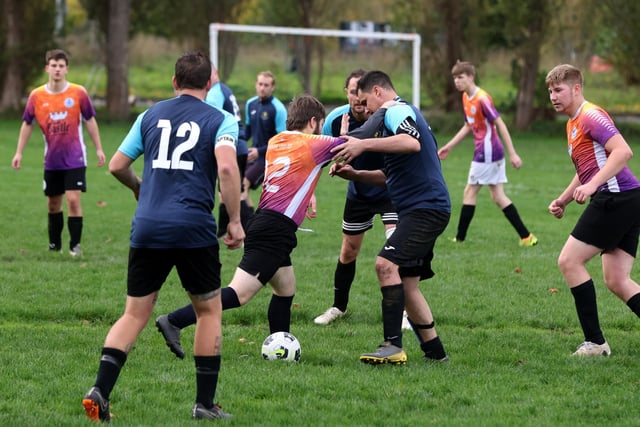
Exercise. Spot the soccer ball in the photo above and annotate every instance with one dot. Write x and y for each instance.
(281, 346)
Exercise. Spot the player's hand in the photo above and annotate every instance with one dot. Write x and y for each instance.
(344, 124)
(252, 154)
(101, 158)
(311, 208)
(583, 192)
(234, 239)
(444, 152)
(515, 160)
(349, 150)
(556, 208)
(16, 162)
(343, 170)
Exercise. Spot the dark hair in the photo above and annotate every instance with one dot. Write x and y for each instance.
(463, 67)
(56, 54)
(354, 74)
(192, 71)
(375, 78)
(302, 109)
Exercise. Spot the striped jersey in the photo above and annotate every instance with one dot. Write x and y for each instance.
(59, 116)
(293, 164)
(587, 133)
(480, 114)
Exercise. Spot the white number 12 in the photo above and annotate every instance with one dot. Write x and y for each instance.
(163, 162)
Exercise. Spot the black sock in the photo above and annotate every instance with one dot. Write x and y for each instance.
(392, 308)
(207, 369)
(111, 363)
(183, 317)
(75, 230)
(584, 296)
(56, 224)
(229, 298)
(223, 219)
(634, 304)
(342, 280)
(514, 218)
(279, 313)
(433, 349)
(466, 215)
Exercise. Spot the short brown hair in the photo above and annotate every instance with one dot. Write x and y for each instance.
(302, 109)
(192, 70)
(564, 73)
(463, 67)
(268, 74)
(56, 54)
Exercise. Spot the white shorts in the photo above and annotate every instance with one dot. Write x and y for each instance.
(487, 173)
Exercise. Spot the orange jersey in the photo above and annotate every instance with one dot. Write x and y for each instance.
(293, 164)
(59, 116)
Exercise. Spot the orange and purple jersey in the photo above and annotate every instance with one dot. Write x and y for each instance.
(587, 133)
(480, 114)
(59, 116)
(293, 164)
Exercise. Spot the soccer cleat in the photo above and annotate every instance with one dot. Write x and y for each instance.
(329, 316)
(529, 241)
(96, 406)
(171, 335)
(76, 251)
(589, 348)
(405, 321)
(199, 412)
(455, 240)
(386, 353)
(54, 248)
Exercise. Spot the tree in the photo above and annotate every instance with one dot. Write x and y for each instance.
(118, 104)
(618, 38)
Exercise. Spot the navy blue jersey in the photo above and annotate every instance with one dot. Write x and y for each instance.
(177, 138)
(264, 119)
(221, 96)
(369, 160)
(414, 180)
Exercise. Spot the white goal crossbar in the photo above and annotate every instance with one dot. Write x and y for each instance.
(416, 40)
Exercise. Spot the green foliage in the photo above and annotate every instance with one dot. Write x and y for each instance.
(508, 332)
(618, 37)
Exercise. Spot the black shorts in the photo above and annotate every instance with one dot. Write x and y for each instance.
(358, 215)
(610, 221)
(271, 237)
(57, 182)
(198, 269)
(411, 245)
(255, 173)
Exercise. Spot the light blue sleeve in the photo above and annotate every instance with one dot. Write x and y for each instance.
(281, 116)
(131, 145)
(227, 131)
(396, 115)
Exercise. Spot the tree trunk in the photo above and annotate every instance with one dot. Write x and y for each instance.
(117, 61)
(452, 12)
(10, 97)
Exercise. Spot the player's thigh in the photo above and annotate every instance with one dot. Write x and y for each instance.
(147, 270)
(199, 269)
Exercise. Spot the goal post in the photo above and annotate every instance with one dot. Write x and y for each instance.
(415, 39)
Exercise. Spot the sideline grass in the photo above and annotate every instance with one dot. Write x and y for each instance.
(508, 336)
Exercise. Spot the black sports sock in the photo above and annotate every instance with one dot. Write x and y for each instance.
(584, 296)
(634, 304)
(111, 363)
(342, 281)
(514, 218)
(279, 313)
(223, 219)
(207, 369)
(75, 230)
(392, 308)
(183, 317)
(246, 213)
(466, 215)
(56, 224)
(433, 349)
(229, 298)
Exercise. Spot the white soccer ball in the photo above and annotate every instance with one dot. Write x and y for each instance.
(281, 346)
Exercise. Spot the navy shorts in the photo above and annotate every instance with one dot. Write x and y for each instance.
(271, 237)
(198, 269)
(610, 221)
(358, 215)
(411, 245)
(57, 182)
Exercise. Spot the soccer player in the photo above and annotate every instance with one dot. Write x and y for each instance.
(413, 177)
(265, 116)
(186, 144)
(488, 166)
(610, 224)
(60, 107)
(294, 159)
(362, 204)
(221, 96)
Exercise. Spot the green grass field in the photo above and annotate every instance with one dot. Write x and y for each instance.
(508, 334)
